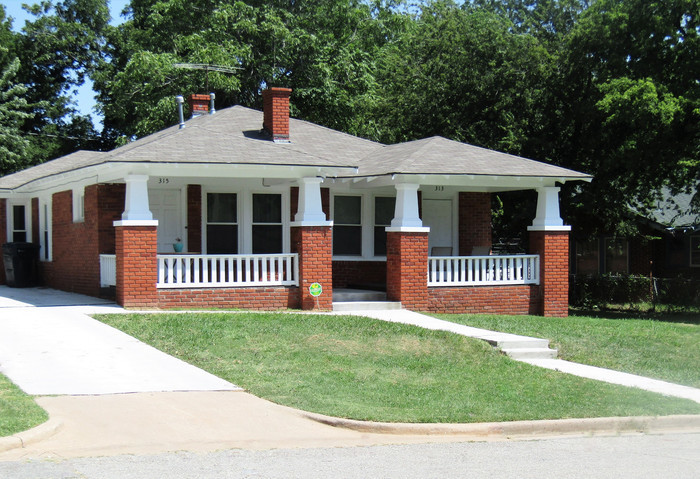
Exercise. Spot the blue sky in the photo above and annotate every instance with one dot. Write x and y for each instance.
(86, 97)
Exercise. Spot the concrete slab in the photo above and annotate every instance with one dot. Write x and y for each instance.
(617, 377)
(48, 350)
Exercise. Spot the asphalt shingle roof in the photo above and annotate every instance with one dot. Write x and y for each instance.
(233, 136)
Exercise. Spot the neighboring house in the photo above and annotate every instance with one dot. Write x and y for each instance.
(262, 214)
(667, 246)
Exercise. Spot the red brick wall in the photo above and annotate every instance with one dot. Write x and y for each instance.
(474, 221)
(407, 269)
(358, 272)
(315, 246)
(265, 299)
(76, 263)
(523, 299)
(35, 221)
(553, 248)
(3, 236)
(137, 271)
(110, 206)
(194, 218)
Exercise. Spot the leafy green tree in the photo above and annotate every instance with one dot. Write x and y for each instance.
(14, 146)
(630, 106)
(58, 49)
(464, 74)
(324, 50)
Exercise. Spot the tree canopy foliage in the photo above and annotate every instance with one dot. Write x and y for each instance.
(609, 87)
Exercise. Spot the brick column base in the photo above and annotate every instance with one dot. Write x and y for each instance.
(137, 268)
(407, 269)
(314, 245)
(553, 248)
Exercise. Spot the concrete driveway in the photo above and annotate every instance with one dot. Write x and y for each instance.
(50, 345)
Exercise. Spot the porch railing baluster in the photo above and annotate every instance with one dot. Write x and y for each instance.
(202, 271)
(483, 270)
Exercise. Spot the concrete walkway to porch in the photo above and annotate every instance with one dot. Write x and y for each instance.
(511, 342)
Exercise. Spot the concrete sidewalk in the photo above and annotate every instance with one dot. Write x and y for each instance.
(49, 345)
(496, 338)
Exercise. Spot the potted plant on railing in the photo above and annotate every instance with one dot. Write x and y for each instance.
(177, 245)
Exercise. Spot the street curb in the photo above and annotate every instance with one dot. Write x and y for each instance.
(543, 428)
(35, 434)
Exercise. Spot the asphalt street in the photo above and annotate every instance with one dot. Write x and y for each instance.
(636, 456)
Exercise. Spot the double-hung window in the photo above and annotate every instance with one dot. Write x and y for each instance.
(19, 231)
(347, 225)
(267, 223)
(222, 223)
(383, 214)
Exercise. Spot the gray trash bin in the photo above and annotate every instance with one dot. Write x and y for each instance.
(21, 264)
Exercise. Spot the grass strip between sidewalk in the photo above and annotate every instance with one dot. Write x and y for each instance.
(366, 369)
(18, 411)
(664, 346)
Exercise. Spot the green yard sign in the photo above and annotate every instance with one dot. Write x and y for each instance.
(315, 289)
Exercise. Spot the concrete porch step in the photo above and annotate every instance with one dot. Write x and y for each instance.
(366, 305)
(530, 353)
(346, 295)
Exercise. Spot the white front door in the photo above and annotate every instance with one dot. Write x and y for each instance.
(437, 214)
(167, 209)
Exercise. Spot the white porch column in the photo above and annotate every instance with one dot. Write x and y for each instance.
(309, 209)
(548, 217)
(136, 206)
(406, 210)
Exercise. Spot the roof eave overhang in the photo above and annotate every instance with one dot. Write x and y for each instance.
(475, 181)
(114, 171)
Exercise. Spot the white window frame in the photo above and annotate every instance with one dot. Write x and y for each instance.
(690, 259)
(206, 223)
(79, 204)
(11, 217)
(365, 205)
(244, 205)
(374, 221)
(46, 229)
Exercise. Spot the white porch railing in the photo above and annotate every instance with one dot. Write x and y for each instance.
(108, 270)
(204, 271)
(483, 270)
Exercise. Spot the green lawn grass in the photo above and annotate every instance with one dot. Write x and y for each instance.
(663, 346)
(366, 369)
(18, 411)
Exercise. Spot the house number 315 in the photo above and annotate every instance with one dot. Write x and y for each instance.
(163, 181)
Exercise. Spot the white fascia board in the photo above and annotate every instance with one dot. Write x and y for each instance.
(483, 183)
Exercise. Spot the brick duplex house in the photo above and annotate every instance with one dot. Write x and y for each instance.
(260, 214)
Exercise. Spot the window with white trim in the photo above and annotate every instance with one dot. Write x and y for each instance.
(347, 225)
(78, 205)
(267, 223)
(45, 230)
(695, 251)
(384, 207)
(222, 223)
(19, 226)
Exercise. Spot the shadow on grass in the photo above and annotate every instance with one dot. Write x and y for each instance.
(623, 312)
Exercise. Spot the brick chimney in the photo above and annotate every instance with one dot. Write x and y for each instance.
(199, 104)
(276, 113)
